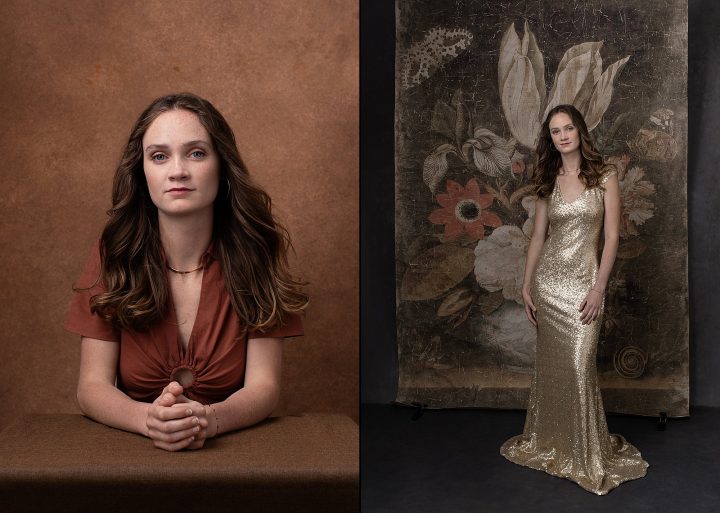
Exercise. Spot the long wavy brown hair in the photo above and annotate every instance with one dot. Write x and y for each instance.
(249, 243)
(549, 160)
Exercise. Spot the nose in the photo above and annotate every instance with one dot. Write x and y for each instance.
(178, 170)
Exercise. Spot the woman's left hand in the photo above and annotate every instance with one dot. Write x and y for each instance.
(206, 429)
(590, 307)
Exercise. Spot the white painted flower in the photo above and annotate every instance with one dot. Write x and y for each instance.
(500, 261)
(580, 81)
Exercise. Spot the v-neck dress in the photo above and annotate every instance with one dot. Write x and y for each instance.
(216, 349)
(566, 432)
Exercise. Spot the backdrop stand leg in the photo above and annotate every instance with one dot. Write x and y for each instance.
(419, 410)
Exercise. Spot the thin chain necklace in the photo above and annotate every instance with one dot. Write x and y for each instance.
(184, 272)
(567, 171)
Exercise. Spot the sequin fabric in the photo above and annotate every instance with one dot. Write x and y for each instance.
(566, 432)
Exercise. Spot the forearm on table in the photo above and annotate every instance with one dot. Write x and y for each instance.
(108, 405)
(246, 407)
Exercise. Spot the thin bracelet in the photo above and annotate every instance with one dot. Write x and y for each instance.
(217, 424)
(597, 291)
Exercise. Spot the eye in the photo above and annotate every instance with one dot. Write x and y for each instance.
(197, 154)
(158, 157)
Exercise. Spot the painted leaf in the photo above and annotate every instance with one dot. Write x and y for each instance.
(436, 271)
(600, 99)
(576, 66)
(509, 46)
(521, 101)
(462, 317)
(583, 95)
(488, 303)
(462, 118)
(454, 302)
(536, 59)
(436, 165)
(421, 243)
(443, 119)
(457, 98)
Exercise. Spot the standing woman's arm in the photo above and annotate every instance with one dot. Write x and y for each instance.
(590, 307)
(540, 227)
(258, 397)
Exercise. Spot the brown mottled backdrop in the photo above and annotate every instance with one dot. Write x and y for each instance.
(73, 78)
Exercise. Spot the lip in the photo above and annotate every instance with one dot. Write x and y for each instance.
(179, 191)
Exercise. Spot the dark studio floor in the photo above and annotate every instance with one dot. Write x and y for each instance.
(448, 461)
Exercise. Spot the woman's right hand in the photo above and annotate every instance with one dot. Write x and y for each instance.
(529, 306)
(173, 428)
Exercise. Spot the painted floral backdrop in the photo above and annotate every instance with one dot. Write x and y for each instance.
(474, 81)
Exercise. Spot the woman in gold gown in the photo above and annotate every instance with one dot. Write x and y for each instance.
(566, 433)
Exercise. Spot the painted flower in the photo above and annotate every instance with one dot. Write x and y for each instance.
(579, 80)
(500, 262)
(636, 207)
(509, 334)
(489, 152)
(654, 145)
(464, 210)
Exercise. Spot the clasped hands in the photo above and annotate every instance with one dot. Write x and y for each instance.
(174, 422)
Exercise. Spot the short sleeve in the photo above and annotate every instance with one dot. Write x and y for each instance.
(80, 319)
(609, 171)
(293, 327)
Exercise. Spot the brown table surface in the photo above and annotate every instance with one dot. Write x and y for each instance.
(303, 463)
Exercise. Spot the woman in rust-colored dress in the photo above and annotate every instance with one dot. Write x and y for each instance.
(185, 298)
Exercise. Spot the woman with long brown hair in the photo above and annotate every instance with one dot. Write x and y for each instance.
(186, 297)
(566, 432)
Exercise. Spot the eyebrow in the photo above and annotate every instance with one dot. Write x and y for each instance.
(559, 127)
(196, 142)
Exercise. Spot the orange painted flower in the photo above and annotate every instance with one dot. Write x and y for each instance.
(464, 210)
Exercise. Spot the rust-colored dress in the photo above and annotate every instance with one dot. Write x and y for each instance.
(215, 354)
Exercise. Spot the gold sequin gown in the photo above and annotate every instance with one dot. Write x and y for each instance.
(566, 433)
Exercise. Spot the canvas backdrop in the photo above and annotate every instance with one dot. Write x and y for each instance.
(473, 83)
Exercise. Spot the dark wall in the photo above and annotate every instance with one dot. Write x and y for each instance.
(378, 350)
